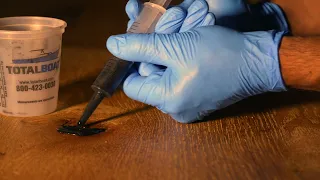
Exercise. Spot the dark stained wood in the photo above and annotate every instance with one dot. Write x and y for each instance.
(273, 136)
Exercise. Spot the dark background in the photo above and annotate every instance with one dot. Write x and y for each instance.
(90, 22)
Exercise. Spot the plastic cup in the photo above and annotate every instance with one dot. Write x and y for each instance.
(30, 50)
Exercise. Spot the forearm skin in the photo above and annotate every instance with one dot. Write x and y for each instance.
(300, 62)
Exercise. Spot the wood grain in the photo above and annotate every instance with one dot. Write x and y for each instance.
(273, 136)
(276, 139)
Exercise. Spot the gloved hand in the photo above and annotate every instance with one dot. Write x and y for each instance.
(176, 19)
(181, 18)
(244, 17)
(208, 68)
(235, 14)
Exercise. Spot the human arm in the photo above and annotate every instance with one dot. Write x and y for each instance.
(230, 13)
(300, 62)
(207, 68)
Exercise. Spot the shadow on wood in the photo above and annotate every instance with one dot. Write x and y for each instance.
(120, 115)
(75, 93)
(265, 102)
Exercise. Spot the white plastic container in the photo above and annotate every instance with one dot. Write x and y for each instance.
(30, 50)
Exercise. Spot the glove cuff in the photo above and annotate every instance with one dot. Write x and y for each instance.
(277, 82)
(263, 59)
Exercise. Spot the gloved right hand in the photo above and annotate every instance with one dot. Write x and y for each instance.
(208, 68)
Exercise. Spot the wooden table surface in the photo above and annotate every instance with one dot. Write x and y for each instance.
(273, 136)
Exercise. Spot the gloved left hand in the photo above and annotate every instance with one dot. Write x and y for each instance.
(234, 14)
(186, 16)
(208, 68)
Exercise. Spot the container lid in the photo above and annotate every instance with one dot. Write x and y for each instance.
(30, 27)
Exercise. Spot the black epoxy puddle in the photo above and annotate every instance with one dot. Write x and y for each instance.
(80, 131)
(87, 131)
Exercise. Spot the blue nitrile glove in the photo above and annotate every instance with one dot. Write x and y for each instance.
(176, 19)
(235, 14)
(238, 15)
(208, 68)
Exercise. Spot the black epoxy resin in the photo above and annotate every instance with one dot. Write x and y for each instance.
(80, 130)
